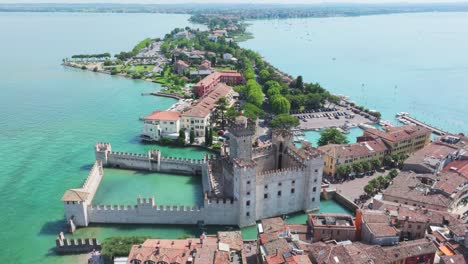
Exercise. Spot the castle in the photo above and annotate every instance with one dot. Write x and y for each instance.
(242, 185)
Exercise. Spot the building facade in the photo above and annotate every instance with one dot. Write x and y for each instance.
(401, 139)
(209, 82)
(160, 124)
(326, 227)
(339, 155)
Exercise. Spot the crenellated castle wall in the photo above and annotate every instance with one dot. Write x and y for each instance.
(153, 161)
(213, 212)
(93, 180)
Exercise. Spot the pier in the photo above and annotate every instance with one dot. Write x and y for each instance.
(413, 120)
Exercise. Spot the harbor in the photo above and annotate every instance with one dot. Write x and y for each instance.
(406, 119)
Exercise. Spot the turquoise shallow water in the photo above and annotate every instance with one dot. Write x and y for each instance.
(51, 117)
(413, 63)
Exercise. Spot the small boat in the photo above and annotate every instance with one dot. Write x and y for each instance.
(298, 139)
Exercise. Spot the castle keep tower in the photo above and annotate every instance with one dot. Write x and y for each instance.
(240, 142)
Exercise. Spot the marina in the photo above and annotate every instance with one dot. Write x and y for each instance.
(406, 119)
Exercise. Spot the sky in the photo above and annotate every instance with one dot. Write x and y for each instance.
(230, 1)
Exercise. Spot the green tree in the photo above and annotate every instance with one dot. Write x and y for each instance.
(375, 163)
(381, 182)
(366, 166)
(374, 183)
(332, 136)
(393, 173)
(387, 161)
(192, 136)
(264, 75)
(181, 139)
(342, 172)
(284, 121)
(299, 82)
(120, 246)
(222, 105)
(280, 105)
(357, 168)
(207, 137)
(369, 189)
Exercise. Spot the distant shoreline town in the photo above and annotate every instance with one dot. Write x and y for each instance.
(409, 193)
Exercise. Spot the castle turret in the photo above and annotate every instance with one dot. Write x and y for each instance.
(242, 131)
(313, 181)
(101, 152)
(75, 203)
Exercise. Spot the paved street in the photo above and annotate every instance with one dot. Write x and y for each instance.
(354, 188)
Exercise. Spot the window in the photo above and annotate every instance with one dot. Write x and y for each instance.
(248, 182)
(247, 214)
(247, 203)
(315, 180)
(293, 182)
(418, 227)
(316, 170)
(279, 193)
(292, 190)
(314, 189)
(248, 193)
(313, 199)
(265, 196)
(266, 186)
(279, 183)
(409, 226)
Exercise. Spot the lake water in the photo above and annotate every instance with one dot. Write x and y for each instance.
(414, 63)
(51, 116)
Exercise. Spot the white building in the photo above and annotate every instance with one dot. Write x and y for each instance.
(161, 124)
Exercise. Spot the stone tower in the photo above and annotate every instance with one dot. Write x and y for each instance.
(101, 151)
(313, 177)
(242, 131)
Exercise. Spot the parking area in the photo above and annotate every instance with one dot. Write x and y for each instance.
(330, 117)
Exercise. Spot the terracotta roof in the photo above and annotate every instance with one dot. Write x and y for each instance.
(216, 76)
(75, 195)
(354, 150)
(431, 154)
(458, 166)
(382, 229)
(411, 249)
(233, 239)
(163, 116)
(271, 225)
(204, 106)
(408, 186)
(182, 63)
(397, 134)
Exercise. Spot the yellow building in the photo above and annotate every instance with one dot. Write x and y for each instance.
(401, 140)
(339, 155)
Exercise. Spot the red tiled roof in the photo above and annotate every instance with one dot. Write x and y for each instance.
(354, 150)
(397, 134)
(208, 102)
(163, 115)
(459, 166)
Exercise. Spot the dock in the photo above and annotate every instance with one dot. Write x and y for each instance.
(158, 93)
(413, 120)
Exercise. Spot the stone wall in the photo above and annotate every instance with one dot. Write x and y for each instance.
(64, 245)
(153, 161)
(93, 180)
(213, 212)
(284, 189)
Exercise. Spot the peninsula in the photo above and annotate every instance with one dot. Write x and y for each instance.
(232, 100)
